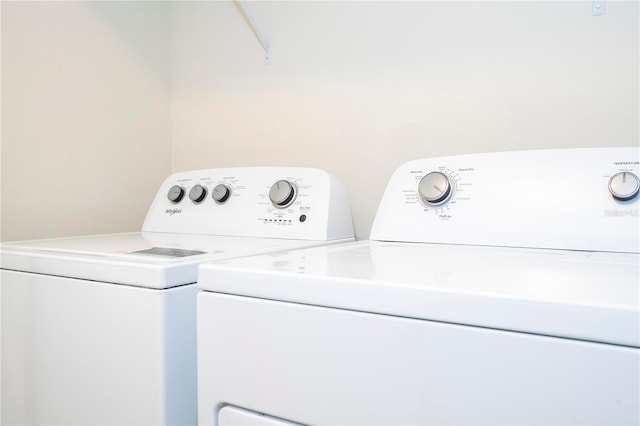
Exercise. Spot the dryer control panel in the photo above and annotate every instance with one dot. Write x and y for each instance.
(580, 199)
(272, 202)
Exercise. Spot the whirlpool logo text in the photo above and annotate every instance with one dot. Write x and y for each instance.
(621, 213)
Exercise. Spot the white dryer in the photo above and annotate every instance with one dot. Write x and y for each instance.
(498, 288)
(101, 329)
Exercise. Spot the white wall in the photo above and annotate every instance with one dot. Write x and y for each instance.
(101, 100)
(85, 115)
(359, 87)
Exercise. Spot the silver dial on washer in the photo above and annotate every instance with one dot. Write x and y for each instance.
(175, 194)
(435, 188)
(624, 186)
(198, 193)
(282, 194)
(221, 193)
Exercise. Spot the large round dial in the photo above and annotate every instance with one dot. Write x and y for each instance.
(435, 188)
(624, 186)
(282, 194)
(198, 193)
(175, 194)
(221, 193)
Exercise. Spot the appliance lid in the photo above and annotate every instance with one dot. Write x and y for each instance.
(144, 259)
(592, 296)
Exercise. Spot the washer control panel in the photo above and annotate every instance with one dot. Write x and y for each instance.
(582, 199)
(273, 202)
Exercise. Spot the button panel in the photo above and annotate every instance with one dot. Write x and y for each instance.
(582, 199)
(288, 202)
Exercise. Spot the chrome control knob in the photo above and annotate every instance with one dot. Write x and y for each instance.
(221, 193)
(624, 186)
(198, 193)
(175, 194)
(435, 188)
(282, 194)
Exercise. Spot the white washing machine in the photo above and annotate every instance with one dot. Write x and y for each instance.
(498, 288)
(101, 329)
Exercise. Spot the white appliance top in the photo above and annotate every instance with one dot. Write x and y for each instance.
(590, 296)
(541, 242)
(200, 216)
(144, 259)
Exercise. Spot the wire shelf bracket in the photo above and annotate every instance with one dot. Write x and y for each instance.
(256, 30)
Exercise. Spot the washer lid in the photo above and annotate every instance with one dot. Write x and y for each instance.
(590, 296)
(144, 259)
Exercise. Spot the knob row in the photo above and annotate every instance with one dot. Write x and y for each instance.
(282, 193)
(437, 188)
(198, 193)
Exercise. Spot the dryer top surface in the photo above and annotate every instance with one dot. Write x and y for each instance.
(582, 295)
